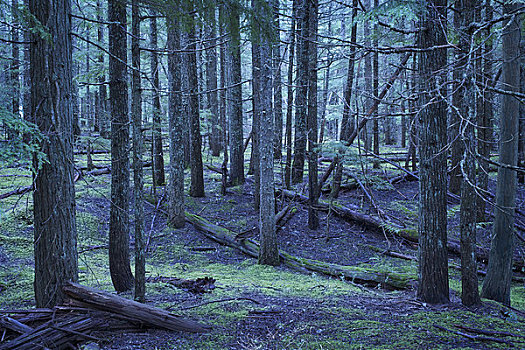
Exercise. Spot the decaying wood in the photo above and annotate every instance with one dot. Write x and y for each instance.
(197, 286)
(131, 309)
(366, 276)
(488, 332)
(18, 191)
(14, 325)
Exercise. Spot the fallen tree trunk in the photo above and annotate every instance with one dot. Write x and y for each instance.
(19, 191)
(366, 276)
(130, 309)
(411, 235)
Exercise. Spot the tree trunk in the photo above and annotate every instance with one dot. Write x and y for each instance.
(257, 92)
(375, 88)
(467, 110)
(55, 244)
(499, 271)
(277, 85)
(15, 65)
(289, 106)
(176, 127)
(119, 264)
(222, 103)
(262, 44)
(197, 171)
(210, 29)
(138, 181)
(159, 177)
(432, 228)
(521, 145)
(301, 93)
(311, 121)
(102, 93)
(234, 95)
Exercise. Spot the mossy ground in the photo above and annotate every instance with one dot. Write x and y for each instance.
(253, 306)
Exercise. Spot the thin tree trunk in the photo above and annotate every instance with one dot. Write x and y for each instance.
(257, 95)
(311, 122)
(159, 177)
(277, 85)
(433, 264)
(210, 29)
(499, 271)
(15, 64)
(102, 93)
(176, 127)
(234, 95)
(467, 110)
(197, 171)
(119, 260)
(138, 183)
(375, 88)
(289, 106)
(55, 244)
(301, 93)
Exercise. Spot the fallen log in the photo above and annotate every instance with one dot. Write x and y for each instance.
(18, 191)
(366, 276)
(130, 309)
(408, 234)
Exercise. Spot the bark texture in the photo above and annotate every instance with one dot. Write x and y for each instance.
(119, 264)
(55, 234)
(499, 271)
(176, 128)
(432, 228)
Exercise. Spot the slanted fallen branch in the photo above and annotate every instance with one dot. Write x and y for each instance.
(366, 276)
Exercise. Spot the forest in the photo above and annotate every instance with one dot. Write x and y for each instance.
(263, 174)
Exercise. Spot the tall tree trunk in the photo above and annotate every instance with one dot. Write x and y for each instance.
(102, 93)
(301, 93)
(375, 88)
(138, 182)
(262, 46)
(432, 228)
(257, 96)
(347, 122)
(15, 63)
(467, 110)
(26, 74)
(197, 171)
(521, 145)
(176, 127)
(499, 271)
(311, 122)
(289, 101)
(159, 177)
(211, 78)
(277, 84)
(55, 244)
(234, 95)
(222, 101)
(119, 263)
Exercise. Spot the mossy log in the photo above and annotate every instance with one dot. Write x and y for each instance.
(365, 276)
(411, 235)
(130, 309)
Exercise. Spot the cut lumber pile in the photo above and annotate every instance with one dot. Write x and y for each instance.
(90, 315)
(361, 275)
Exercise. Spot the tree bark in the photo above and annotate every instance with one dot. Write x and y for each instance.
(289, 106)
(499, 272)
(263, 120)
(197, 171)
(433, 265)
(55, 244)
(301, 93)
(467, 111)
(138, 181)
(234, 95)
(277, 85)
(119, 260)
(311, 121)
(159, 177)
(210, 29)
(176, 128)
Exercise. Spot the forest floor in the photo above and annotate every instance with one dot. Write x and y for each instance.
(262, 307)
